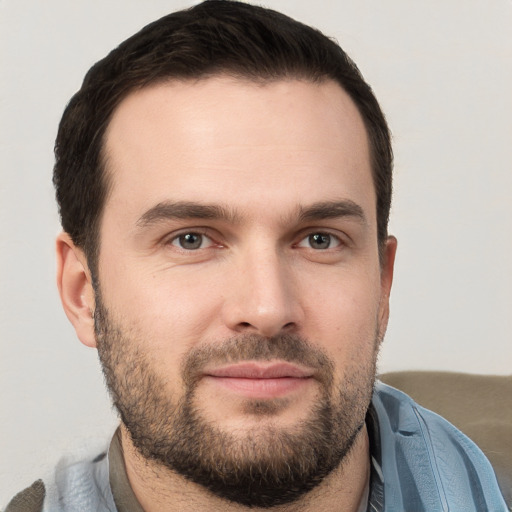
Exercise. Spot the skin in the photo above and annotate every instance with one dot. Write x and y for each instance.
(262, 154)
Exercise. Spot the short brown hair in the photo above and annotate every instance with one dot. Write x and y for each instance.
(214, 37)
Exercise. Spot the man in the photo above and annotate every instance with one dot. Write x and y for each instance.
(224, 183)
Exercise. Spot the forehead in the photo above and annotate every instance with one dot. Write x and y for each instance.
(238, 143)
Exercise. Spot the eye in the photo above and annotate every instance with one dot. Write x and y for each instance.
(191, 241)
(320, 241)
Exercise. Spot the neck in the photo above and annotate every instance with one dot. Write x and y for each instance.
(158, 489)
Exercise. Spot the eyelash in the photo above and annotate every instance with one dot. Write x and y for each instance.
(177, 240)
(332, 239)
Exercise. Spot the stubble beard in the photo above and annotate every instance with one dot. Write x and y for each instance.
(262, 466)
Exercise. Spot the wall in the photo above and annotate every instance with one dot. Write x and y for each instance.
(442, 70)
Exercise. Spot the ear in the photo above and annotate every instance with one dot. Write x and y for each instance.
(386, 280)
(75, 288)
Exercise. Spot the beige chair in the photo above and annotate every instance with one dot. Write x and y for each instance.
(478, 405)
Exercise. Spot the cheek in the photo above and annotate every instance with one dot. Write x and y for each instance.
(343, 314)
(172, 310)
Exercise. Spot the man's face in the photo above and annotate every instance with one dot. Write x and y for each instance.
(241, 296)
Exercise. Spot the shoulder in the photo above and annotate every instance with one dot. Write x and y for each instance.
(82, 485)
(426, 460)
(29, 500)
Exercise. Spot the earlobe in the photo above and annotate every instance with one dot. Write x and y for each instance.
(386, 280)
(75, 288)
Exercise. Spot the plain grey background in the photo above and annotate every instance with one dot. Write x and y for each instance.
(442, 71)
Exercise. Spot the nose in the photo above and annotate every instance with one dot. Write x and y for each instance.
(262, 296)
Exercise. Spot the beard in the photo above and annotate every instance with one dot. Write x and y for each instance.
(261, 466)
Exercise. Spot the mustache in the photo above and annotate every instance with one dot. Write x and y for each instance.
(291, 348)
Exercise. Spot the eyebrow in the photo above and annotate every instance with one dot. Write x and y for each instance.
(332, 210)
(168, 210)
(184, 210)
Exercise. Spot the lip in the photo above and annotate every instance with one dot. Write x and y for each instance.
(257, 370)
(260, 380)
